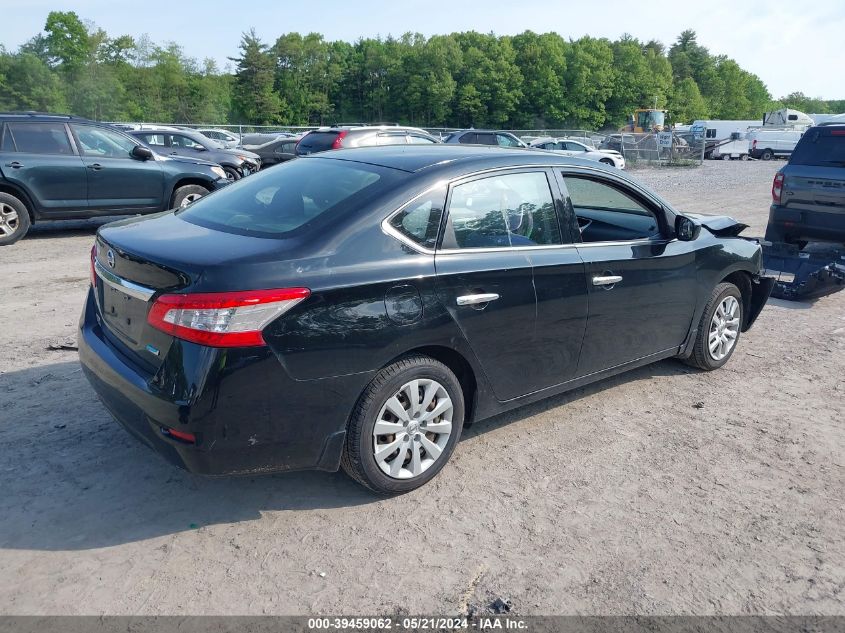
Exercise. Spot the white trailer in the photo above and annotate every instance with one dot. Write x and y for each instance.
(721, 130)
(736, 147)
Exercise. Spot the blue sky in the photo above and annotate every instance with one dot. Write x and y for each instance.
(790, 45)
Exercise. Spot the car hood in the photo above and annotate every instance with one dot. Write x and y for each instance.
(239, 152)
(720, 225)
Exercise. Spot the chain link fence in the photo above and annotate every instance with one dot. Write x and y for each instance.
(650, 149)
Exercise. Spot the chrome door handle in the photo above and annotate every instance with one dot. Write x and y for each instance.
(607, 280)
(471, 300)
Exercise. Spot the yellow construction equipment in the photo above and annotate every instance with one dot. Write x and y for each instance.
(646, 120)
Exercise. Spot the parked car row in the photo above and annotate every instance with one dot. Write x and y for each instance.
(61, 167)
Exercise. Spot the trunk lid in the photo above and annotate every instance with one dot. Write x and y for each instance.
(814, 188)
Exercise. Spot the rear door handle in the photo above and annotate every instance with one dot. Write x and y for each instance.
(14, 164)
(471, 300)
(607, 280)
(95, 166)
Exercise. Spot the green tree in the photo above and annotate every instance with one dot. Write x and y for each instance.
(27, 83)
(67, 41)
(686, 103)
(541, 60)
(588, 81)
(254, 99)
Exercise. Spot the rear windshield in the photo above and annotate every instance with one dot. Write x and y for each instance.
(316, 142)
(294, 197)
(821, 148)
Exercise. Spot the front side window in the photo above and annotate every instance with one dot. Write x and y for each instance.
(299, 194)
(505, 140)
(502, 211)
(95, 141)
(606, 213)
(177, 140)
(40, 138)
(154, 140)
(420, 220)
(419, 140)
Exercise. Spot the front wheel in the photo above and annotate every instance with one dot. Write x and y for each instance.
(719, 329)
(405, 426)
(232, 174)
(187, 194)
(607, 161)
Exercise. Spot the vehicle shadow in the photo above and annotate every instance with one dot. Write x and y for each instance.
(67, 228)
(72, 479)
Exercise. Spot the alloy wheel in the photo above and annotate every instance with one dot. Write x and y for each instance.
(9, 221)
(724, 328)
(191, 197)
(413, 428)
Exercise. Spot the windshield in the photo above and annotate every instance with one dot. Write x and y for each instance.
(821, 148)
(296, 195)
(649, 120)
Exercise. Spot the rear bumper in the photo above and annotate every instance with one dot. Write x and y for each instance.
(805, 224)
(248, 415)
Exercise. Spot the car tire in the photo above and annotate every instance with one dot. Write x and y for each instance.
(380, 469)
(720, 326)
(14, 219)
(767, 154)
(232, 174)
(726, 156)
(607, 161)
(186, 194)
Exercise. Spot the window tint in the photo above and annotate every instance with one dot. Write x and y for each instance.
(272, 203)
(420, 220)
(823, 148)
(419, 140)
(177, 140)
(469, 137)
(153, 139)
(711, 133)
(7, 143)
(482, 138)
(575, 147)
(40, 138)
(507, 141)
(316, 142)
(606, 214)
(508, 210)
(95, 141)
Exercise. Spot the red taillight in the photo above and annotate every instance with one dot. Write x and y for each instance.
(179, 435)
(222, 319)
(93, 270)
(777, 188)
(837, 132)
(338, 142)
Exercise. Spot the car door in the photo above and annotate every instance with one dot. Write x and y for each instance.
(117, 181)
(284, 152)
(181, 145)
(641, 282)
(40, 158)
(496, 223)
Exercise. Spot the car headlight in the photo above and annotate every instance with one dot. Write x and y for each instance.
(219, 171)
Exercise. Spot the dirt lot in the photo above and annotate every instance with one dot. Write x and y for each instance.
(662, 491)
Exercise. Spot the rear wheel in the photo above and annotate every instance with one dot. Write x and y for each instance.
(14, 219)
(187, 194)
(719, 328)
(404, 426)
(767, 154)
(726, 156)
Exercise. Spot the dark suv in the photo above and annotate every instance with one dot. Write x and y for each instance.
(237, 163)
(57, 167)
(342, 137)
(485, 137)
(808, 193)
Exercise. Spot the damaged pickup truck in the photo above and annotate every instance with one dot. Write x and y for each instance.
(356, 308)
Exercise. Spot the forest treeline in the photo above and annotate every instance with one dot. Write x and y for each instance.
(461, 79)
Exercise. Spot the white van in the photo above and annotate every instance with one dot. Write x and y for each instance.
(767, 144)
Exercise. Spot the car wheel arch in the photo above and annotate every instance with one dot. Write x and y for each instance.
(742, 280)
(182, 182)
(21, 195)
(458, 364)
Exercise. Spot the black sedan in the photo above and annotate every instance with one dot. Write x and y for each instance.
(357, 308)
(275, 151)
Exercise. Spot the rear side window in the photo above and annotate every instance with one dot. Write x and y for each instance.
(823, 148)
(299, 194)
(506, 210)
(485, 139)
(420, 220)
(468, 138)
(316, 142)
(40, 138)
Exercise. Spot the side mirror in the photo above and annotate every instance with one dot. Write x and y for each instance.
(685, 229)
(141, 152)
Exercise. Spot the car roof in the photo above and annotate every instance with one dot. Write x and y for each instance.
(416, 158)
(44, 116)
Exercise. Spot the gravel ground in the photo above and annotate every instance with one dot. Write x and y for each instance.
(663, 491)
